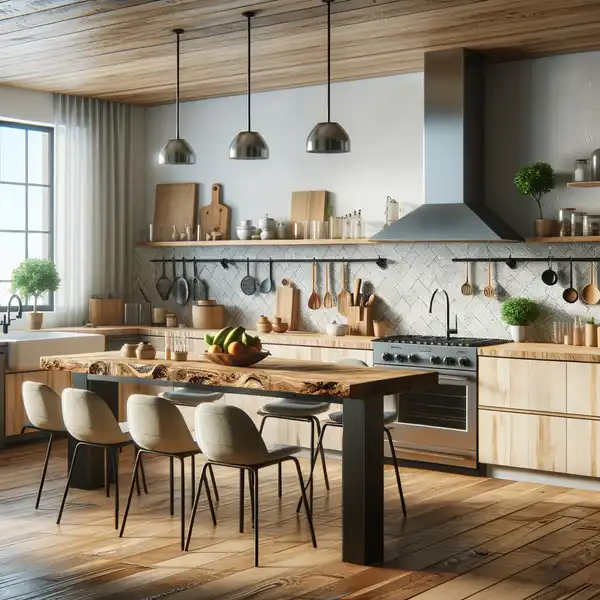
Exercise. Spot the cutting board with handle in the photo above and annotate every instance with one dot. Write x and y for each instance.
(309, 206)
(174, 204)
(216, 215)
(288, 303)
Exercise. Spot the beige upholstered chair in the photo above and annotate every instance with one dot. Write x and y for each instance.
(44, 413)
(157, 427)
(228, 437)
(90, 422)
(336, 419)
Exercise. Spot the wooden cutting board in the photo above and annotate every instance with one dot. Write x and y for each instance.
(174, 204)
(309, 206)
(106, 311)
(288, 303)
(216, 215)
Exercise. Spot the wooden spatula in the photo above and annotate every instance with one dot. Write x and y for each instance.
(328, 298)
(343, 299)
(314, 302)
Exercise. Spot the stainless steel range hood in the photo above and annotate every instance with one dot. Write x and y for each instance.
(454, 207)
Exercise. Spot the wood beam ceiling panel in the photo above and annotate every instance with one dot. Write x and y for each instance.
(124, 49)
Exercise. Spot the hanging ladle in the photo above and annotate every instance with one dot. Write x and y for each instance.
(571, 295)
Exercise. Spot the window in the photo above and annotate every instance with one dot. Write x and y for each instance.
(26, 200)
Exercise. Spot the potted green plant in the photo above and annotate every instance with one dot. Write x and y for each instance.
(535, 180)
(32, 278)
(519, 313)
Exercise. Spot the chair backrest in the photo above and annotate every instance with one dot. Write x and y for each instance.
(89, 419)
(42, 406)
(157, 425)
(351, 362)
(227, 434)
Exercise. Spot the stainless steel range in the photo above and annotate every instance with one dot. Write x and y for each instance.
(437, 425)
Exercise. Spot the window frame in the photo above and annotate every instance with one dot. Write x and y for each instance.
(49, 307)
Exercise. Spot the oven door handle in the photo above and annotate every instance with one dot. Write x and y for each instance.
(453, 378)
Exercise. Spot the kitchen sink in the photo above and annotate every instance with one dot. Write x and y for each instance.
(26, 347)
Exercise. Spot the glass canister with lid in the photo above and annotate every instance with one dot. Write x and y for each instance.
(591, 225)
(577, 223)
(564, 221)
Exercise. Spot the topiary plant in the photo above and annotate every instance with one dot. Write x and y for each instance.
(535, 180)
(519, 311)
(33, 277)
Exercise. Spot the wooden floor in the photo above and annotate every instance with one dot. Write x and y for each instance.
(465, 537)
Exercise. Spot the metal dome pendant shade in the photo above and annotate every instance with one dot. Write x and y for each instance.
(328, 137)
(177, 151)
(249, 145)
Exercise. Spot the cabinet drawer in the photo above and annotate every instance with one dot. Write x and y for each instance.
(535, 385)
(583, 389)
(583, 447)
(523, 441)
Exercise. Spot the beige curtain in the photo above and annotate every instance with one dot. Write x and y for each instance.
(93, 203)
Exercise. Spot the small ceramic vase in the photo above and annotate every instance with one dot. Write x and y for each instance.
(279, 326)
(263, 325)
(128, 350)
(145, 351)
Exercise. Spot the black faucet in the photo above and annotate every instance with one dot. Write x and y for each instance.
(449, 331)
(6, 319)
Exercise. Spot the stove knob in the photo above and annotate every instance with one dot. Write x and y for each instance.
(448, 360)
(400, 357)
(463, 361)
(435, 360)
(387, 356)
(413, 358)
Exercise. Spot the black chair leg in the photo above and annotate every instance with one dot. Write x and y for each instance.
(279, 481)
(313, 464)
(396, 469)
(193, 479)
(182, 463)
(107, 472)
(171, 487)
(255, 486)
(134, 476)
(313, 461)
(213, 481)
(64, 498)
(115, 458)
(305, 501)
(322, 453)
(143, 474)
(137, 480)
(46, 460)
(251, 490)
(203, 481)
(242, 490)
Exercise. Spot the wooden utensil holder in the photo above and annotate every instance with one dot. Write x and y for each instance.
(360, 320)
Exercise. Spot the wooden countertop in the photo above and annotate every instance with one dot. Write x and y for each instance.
(290, 338)
(272, 374)
(541, 351)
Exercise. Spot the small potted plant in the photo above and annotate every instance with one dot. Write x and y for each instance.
(519, 313)
(590, 332)
(535, 180)
(32, 278)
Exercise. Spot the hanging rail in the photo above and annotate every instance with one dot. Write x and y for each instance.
(512, 261)
(380, 261)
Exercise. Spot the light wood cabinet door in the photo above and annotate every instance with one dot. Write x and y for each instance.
(533, 385)
(523, 441)
(583, 389)
(14, 411)
(583, 447)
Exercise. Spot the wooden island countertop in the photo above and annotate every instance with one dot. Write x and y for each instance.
(271, 375)
(543, 351)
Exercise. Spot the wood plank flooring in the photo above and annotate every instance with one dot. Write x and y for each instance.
(465, 537)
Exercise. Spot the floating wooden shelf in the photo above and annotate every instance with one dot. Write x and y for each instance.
(565, 240)
(583, 184)
(259, 243)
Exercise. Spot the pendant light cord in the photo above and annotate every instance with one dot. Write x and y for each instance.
(249, 15)
(178, 32)
(328, 60)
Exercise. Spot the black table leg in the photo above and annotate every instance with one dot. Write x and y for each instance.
(89, 469)
(362, 482)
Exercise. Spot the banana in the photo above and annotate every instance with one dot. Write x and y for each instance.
(220, 337)
(235, 335)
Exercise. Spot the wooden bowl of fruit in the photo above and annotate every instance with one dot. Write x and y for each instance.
(233, 347)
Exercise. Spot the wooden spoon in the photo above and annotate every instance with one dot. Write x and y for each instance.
(466, 288)
(343, 299)
(328, 298)
(314, 302)
(489, 291)
(590, 294)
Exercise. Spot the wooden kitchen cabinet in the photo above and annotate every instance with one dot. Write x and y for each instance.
(525, 441)
(14, 412)
(583, 389)
(531, 385)
(583, 447)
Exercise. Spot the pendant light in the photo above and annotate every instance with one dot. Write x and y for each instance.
(248, 145)
(328, 137)
(177, 151)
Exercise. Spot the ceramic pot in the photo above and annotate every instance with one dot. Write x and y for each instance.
(279, 326)
(35, 320)
(128, 350)
(145, 351)
(590, 335)
(545, 228)
(263, 325)
(518, 332)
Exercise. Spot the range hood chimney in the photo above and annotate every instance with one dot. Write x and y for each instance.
(454, 207)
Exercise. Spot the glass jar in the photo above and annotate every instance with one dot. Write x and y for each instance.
(581, 170)
(577, 223)
(564, 221)
(591, 225)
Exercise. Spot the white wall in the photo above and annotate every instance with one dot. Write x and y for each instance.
(26, 105)
(383, 117)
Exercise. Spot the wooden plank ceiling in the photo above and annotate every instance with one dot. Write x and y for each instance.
(124, 49)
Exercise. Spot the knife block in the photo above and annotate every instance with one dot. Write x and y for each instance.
(360, 320)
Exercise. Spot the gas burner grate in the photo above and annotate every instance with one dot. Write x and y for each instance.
(425, 340)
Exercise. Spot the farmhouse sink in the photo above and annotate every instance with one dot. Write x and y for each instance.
(26, 347)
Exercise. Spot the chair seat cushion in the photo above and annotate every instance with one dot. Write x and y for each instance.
(294, 408)
(185, 397)
(389, 416)
(277, 451)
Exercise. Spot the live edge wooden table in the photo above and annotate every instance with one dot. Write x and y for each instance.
(360, 390)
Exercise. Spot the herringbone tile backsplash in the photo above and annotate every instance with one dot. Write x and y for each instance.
(403, 289)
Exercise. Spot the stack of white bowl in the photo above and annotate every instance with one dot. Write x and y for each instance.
(245, 230)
